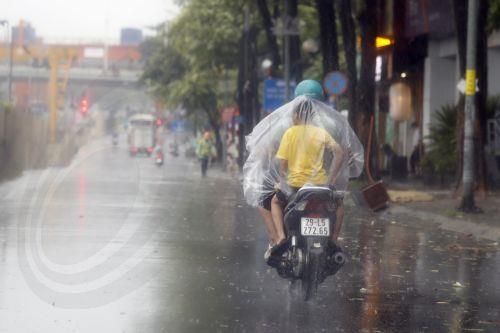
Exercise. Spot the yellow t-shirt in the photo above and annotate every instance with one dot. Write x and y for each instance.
(303, 146)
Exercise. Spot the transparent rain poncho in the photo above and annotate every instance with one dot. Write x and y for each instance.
(309, 126)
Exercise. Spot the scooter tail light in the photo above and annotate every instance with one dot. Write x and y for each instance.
(301, 206)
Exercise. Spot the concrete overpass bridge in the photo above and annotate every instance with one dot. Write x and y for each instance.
(112, 89)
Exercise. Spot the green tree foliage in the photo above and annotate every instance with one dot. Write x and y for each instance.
(189, 58)
(442, 151)
(441, 156)
(185, 63)
(493, 15)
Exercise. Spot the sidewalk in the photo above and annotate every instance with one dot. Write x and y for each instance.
(441, 210)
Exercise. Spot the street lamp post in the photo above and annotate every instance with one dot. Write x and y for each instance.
(11, 56)
(286, 26)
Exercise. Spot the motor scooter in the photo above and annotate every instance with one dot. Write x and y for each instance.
(174, 149)
(114, 139)
(159, 158)
(310, 218)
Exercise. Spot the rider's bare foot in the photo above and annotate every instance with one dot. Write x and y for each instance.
(278, 248)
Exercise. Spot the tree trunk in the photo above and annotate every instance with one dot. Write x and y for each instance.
(349, 40)
(295, 57)
(460, 16)
(481, 98)
(240, 98)
(214, 119)
(271, 38)
(366, 87)
(254, 76)
(328, 35)
(247, 96)
(368, 21)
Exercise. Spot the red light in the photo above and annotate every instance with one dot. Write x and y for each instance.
(150, 149)
(159, 122)
(84, 105)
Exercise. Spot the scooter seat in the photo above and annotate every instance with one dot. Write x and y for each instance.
(316, 192)
(308, 193)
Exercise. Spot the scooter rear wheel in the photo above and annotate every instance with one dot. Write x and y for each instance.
(311, 278)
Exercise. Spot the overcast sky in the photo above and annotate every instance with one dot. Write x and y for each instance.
(86, 19)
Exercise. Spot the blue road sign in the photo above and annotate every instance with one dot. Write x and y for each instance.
(239, 119)
(178, 125)
(274, 93)
(335, 83)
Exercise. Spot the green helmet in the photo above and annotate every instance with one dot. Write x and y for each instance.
(310, 88)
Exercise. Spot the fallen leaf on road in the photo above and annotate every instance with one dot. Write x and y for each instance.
(397, 276)
(488, 322)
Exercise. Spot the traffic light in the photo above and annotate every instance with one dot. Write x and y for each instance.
(159, 122)
(84, 105)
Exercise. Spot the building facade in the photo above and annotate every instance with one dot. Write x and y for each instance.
(423, 56)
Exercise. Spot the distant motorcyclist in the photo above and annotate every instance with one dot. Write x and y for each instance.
(174, 148)
(114, 138)
(158, 155)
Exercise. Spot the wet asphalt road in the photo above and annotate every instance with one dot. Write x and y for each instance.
(116, 244)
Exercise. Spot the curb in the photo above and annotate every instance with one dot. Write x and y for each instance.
(450, 224)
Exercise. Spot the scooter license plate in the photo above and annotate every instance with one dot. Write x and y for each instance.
(315, 226)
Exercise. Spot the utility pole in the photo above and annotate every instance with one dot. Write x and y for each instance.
(53, 94)
(245, 109)
(11, 63)
(468, 204)
(224, 122)
(286, 55)
(10, 42)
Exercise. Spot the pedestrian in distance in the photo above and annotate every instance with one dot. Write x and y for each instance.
(204, 149)
(418, 149)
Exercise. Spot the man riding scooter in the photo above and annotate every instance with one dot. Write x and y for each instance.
(301, 154)
(306, 138)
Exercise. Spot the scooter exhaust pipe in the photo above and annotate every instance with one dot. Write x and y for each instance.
(339, 258)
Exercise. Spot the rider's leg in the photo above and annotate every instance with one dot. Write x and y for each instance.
(204, 166)
(268, 221)
(277, 215)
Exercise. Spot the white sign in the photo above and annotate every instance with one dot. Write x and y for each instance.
(461, 86)
(93, 52)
